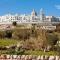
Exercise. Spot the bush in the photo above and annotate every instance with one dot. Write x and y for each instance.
(2, 34)
(14, 23)
(8, 33)
(21, 34)
(52, 39)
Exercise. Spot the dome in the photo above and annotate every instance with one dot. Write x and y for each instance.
(34, 13)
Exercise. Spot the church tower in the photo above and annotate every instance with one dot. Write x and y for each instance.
(42, 15)
(33, 13)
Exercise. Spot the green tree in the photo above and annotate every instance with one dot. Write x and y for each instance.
(8, 33)
(52, 40)
(14, 23)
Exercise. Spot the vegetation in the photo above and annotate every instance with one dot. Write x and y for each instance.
(29, 52)
(21, 34)
(14, 23)
(7, 42)
(29, 41)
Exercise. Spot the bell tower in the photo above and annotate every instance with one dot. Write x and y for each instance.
(33, 13)
(42, 15)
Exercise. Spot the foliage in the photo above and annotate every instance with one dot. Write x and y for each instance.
(58, 28)
(32, 39)
(2, 34)
(7, 42)
(21, 34)
(14, 23)
(30, 52)
(52, 39)
(8, 33)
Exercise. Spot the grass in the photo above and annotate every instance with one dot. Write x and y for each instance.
(29, 52)
(7, 42)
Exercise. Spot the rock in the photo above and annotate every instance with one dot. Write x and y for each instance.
(23, 57)
(39, 57)
(56, 57)
(52, 58)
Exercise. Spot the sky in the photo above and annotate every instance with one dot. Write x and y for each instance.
(50, 7)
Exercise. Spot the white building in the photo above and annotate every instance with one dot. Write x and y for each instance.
(33, 18)
(42, 21)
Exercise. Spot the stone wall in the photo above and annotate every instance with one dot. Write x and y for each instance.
(28, 57)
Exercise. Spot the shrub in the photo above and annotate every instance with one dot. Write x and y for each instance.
(14, 23)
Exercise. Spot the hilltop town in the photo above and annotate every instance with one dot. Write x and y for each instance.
(41, 21)
(25, 34)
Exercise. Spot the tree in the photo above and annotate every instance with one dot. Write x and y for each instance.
(58, 28)
(52, 40)
(8, 34)
(14, 23)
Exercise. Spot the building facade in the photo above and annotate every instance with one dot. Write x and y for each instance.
(32, 18)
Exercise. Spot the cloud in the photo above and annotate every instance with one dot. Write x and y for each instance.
(57, 6)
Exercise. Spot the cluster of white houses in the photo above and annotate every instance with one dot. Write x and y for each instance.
(32, 18)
